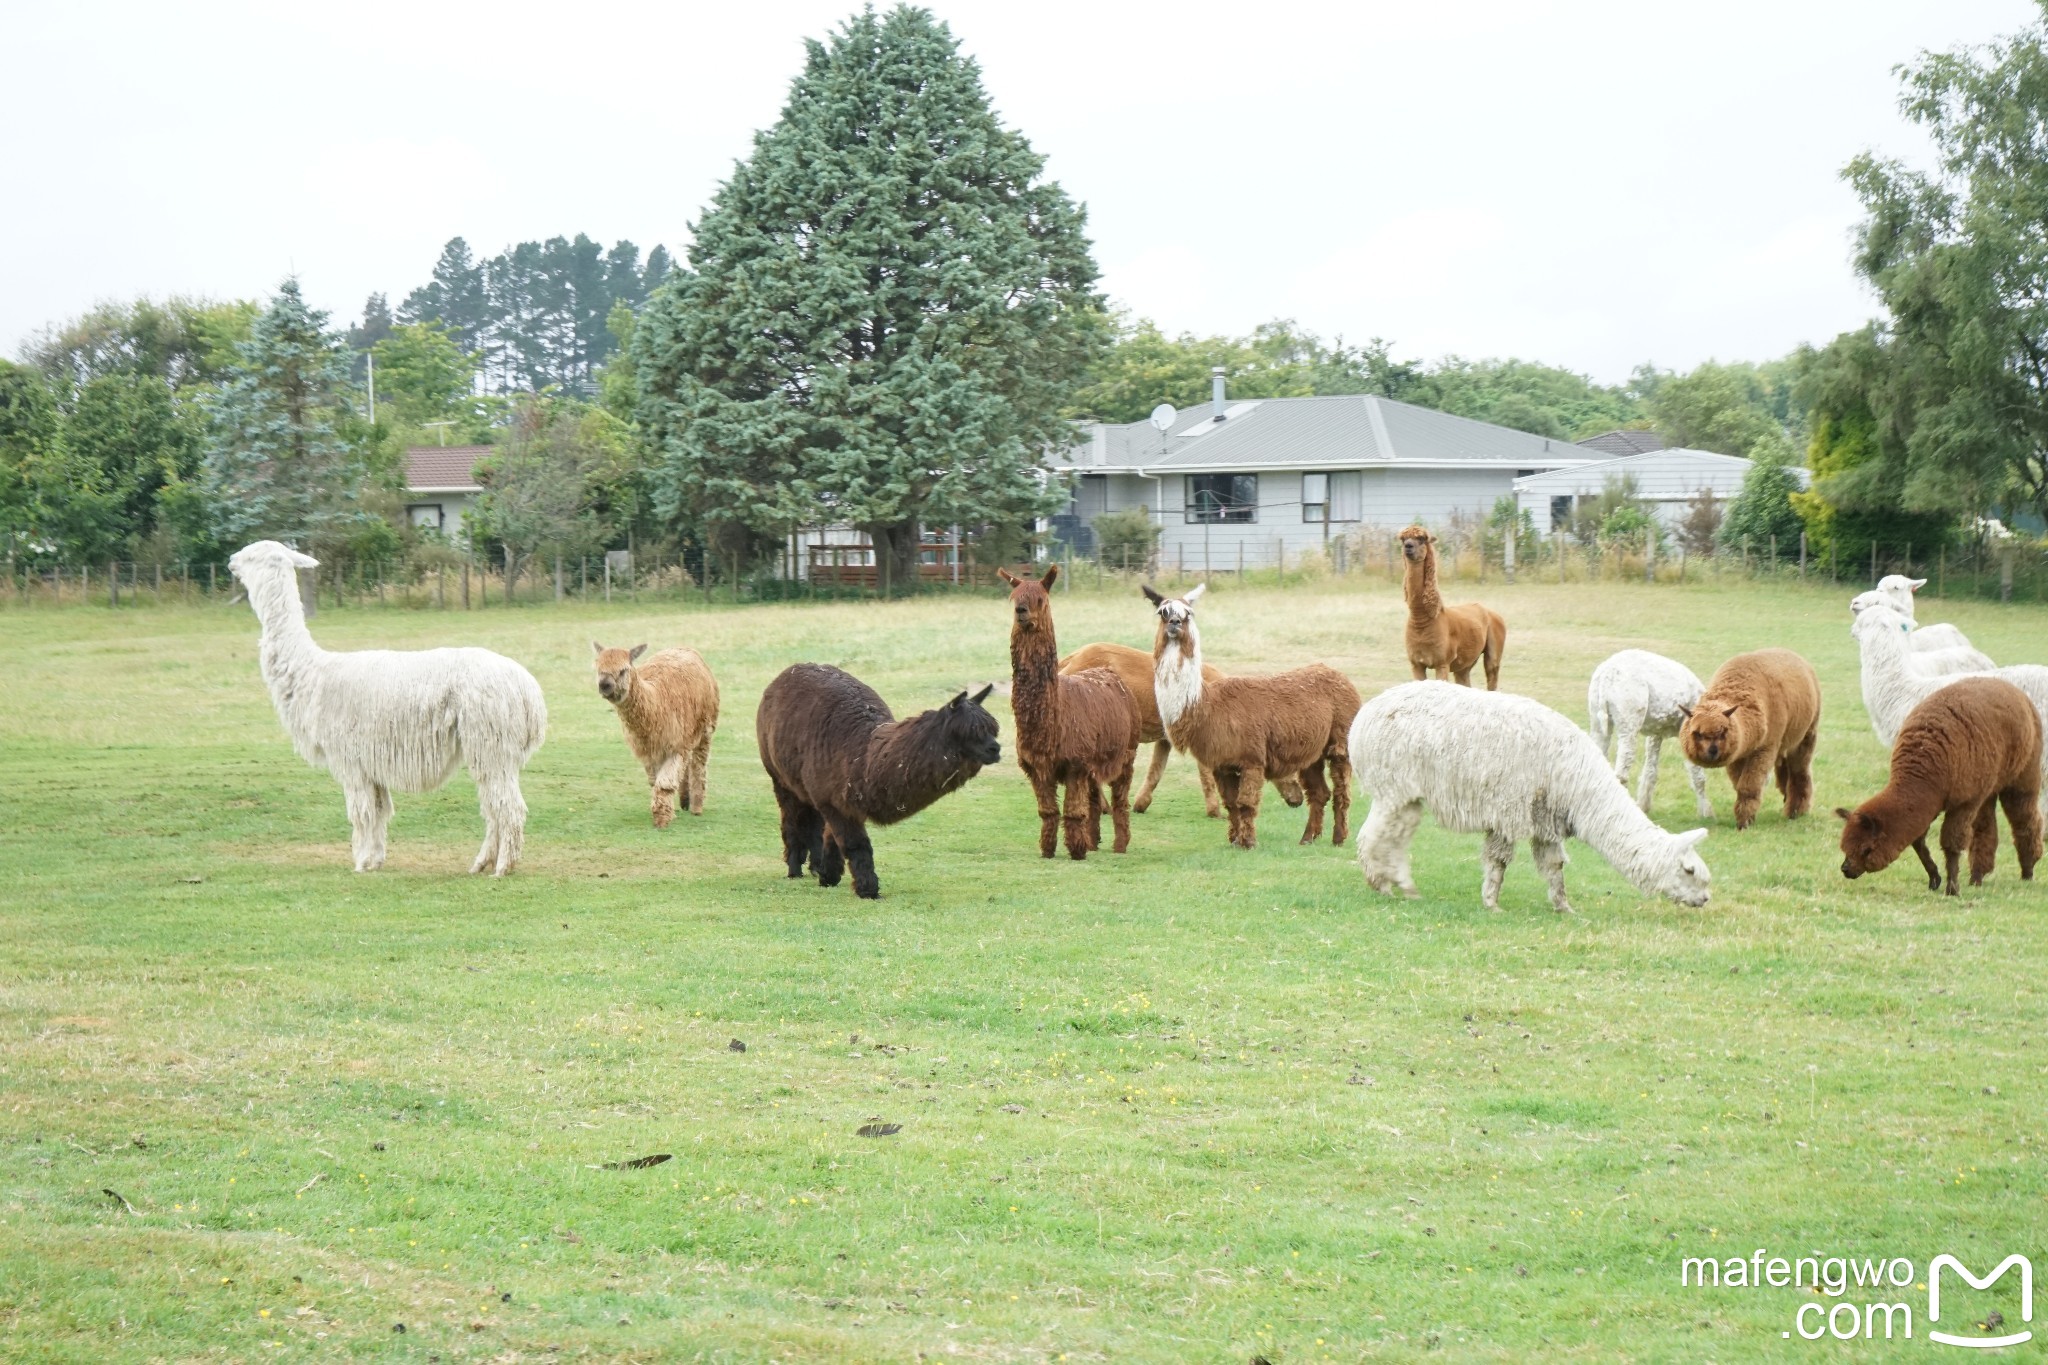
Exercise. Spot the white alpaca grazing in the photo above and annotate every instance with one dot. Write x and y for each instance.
(1636, 693)
(1891, 689)
(1944, 647)
(1513, 769)
(384, 720)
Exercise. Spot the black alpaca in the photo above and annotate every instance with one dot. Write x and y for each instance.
(838, 760)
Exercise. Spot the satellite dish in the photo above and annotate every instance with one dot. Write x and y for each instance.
(1162, 417)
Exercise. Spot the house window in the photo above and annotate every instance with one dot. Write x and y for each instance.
(1222, 499)
(1561, 512)
(425, 515)
(1332, 497)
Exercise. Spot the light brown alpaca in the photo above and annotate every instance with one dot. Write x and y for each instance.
(1447, 639)
(1247, 729)
(668, 707)
(1134, 666)
(1077, 731)
(1968, 749)
(1760, 715)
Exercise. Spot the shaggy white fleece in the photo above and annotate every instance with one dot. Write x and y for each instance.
(385, 720)
(1948, 650)
(1636, 693)
(1513, 769)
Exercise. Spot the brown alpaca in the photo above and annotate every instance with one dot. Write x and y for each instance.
(1759, 715)
(668, 708)
(1447, 639)
(1134, 666)
(1075, 730)
(1968, 749)
(1247, 729)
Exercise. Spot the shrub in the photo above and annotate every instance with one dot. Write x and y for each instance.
(1126, 537)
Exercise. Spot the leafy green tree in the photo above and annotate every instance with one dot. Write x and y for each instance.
(557, 484)
(1863, 413)
(281, 460)
(887, 305)
(187, 343)
(453, 297)
(1126, 537)
(1143, 367)
(139, 439)
(1728, 409)
(1764, 507)
(1542, 399)
(422, 373)
(30, 435)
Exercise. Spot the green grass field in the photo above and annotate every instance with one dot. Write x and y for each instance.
(1188, 1104)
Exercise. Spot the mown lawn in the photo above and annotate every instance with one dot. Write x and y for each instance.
(1190, 1104)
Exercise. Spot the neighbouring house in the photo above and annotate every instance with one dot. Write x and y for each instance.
(440, 482)
(1625, 441)
(1273, 477)
(1665, 479)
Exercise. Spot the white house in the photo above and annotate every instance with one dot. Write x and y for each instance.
(1262, 477)
(1665, 479)
(440, 481)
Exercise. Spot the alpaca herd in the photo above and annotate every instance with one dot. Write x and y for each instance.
(1966, 739)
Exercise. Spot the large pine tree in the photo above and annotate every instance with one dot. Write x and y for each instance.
(883, 311)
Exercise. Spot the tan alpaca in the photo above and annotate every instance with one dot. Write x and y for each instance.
(1134, 666)
(668, 707)
(1447, 639)
(1759, 716)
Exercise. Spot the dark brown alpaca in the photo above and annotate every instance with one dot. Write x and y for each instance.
(838, 760)
(1447, 639)
(1076, 731)
(1971, 747)
(1250, 729)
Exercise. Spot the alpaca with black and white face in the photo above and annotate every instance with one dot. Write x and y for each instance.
(1176, 653)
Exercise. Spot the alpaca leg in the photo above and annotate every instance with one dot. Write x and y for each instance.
(1317, 790)
(1211, 803)
(1550, 860)
(1598, 726)
(1421, 671)
(1383, 846)
(1646, 790)
(1499, 852)
(697, 772)
(1927, 863)
(1227, 784)
(852, 836)
(1697, 775)
(1095, 804)
(1797, 782)
(1625, 748)
(668, 776)
(1748, 775)
(830, 864)
(1462, 676)
(361, 798)
(1048, 794)
(1075, 817)
(1160, 753)
(1340, 794)
(801, 827)
(381, 827)
(507, 818)
(1984, 842)
(1495, 648)
(1120, 806)
(1955, 837)
(2023, 813)
(1251, 784)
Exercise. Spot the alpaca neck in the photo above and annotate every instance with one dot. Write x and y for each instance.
(1888, 691)
(1607, 817)
(1177, 676)
(285, 641)
(1034, 680)
(906, 768)
(1907, 806)
(1418, 586)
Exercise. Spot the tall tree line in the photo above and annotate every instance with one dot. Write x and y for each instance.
(536, 313)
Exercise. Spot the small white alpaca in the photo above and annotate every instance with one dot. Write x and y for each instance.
(1946, 648)
(1891, 689)
(668, 707)
(1512, 769)
(1635, 693)
(385, 720)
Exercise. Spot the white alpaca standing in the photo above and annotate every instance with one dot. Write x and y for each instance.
(1513, 769)
(385, 720)
(1948, 650)
(1635, 693)
(1891, 689)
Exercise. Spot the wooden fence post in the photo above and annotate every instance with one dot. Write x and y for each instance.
(1507, 554)
(1802, 556)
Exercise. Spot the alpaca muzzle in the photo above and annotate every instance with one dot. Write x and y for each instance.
(1850, 870)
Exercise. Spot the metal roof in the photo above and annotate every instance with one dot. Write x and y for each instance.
(1349, 432)
(1659, 475)
(443, 469)
(1625, 441)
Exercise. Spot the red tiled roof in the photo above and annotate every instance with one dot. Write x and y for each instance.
(443, 468)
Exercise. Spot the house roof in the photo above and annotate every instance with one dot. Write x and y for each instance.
(443, 469)
(1350, 432)
(1660, 476)
(1625, 441)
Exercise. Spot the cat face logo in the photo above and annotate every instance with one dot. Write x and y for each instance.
(1934, 1299)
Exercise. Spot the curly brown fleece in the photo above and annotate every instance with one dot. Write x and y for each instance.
(1971, 747)
(1759, 716)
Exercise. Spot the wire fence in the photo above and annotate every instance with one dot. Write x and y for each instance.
(2011, 570)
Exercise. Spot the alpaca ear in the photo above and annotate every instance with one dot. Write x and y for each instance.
(634, 656)
(1845, 813)
(1006, 576)
(1685, 710)
(1151, 594)
(596, 648)
(1050, 577)
(954, 705)
(1194, 594)
(1916, 583)
(1730, 712)
(300, 561)
(979, 697)
(1692, 837)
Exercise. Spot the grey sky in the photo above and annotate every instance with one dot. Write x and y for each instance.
(1590, 184)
